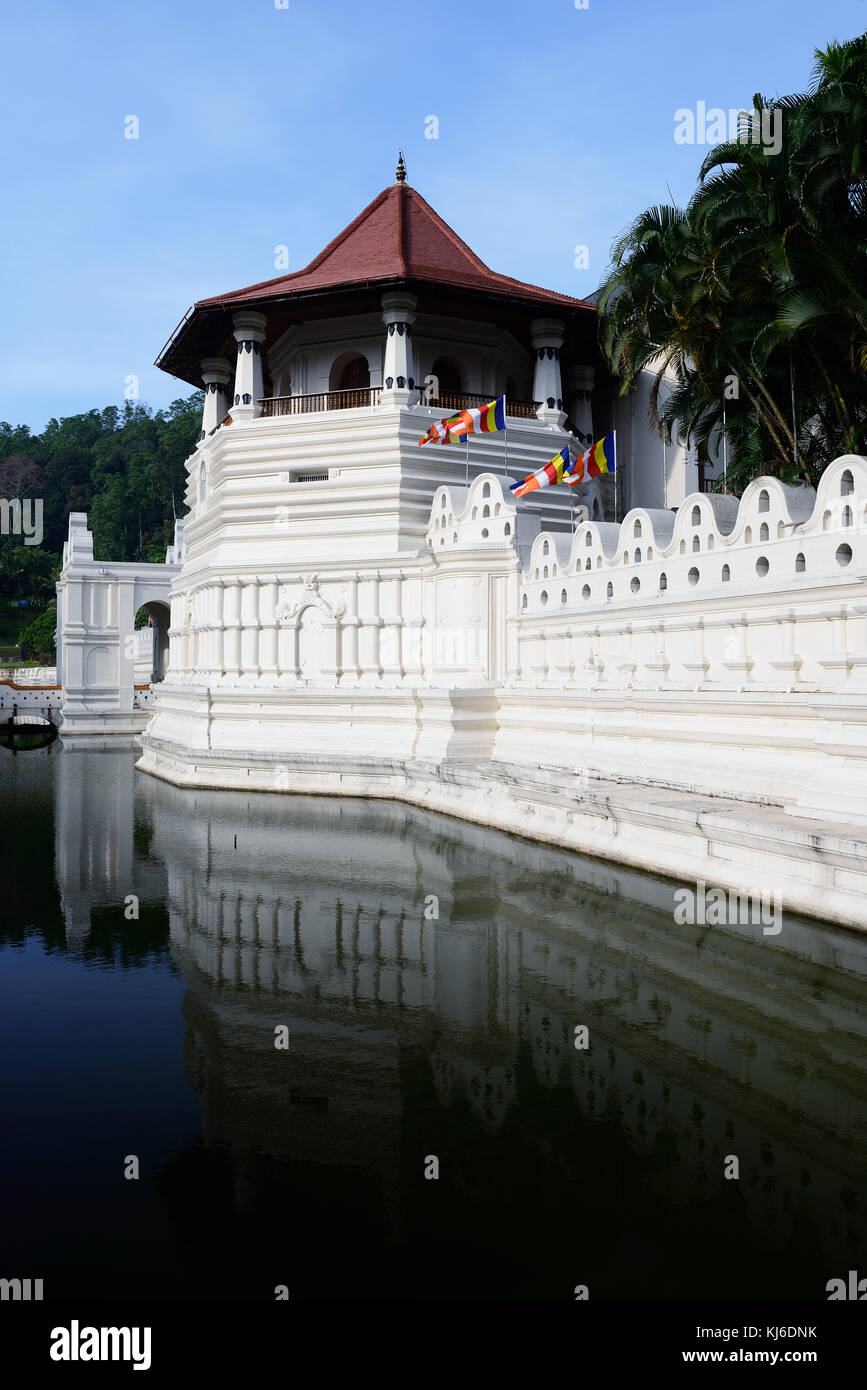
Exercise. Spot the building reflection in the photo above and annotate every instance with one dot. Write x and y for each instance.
(317, 914)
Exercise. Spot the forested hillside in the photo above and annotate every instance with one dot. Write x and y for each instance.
(123, 465)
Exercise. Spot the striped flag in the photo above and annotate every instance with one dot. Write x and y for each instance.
(440, 431)
(479, 419)
(600, 458)
(548, 476)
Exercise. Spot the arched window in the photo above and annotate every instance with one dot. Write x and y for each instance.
(486, 490)
(562, 595)
(800, 564)
(447, 378)
(726, 574)
(764, 533)
(609, 592)
(847, 483)
(696, 543)
(696, 516)
(524, 602)
(637, 530)
(663, 582)
(545, 547)
(349, 373)
(764, 501)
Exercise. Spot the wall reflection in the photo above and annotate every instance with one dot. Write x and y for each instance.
(311, 913)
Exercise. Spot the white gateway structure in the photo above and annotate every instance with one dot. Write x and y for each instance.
(682, 691)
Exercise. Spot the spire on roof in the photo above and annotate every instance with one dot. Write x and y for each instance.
(401, 169)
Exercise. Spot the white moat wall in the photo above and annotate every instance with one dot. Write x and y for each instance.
(684, 692)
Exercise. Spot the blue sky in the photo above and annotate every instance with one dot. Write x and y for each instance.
(261, 127)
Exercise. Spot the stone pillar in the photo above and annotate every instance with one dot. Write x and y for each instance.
(215, 630)
(232, 628)
(250, 630)
(581, 380)
(349, 634)
(216, 374)
(249, 330)
(268, 628)
(368, 635)
(547, 336)
(398, 384)
(176, 636)
(390, 650)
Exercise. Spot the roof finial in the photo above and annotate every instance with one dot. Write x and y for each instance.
(401, 168)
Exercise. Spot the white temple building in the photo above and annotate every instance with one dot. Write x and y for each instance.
(681, 690)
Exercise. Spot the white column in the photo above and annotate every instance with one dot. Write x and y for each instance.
(232, 628)
(349, 635)
(216, 374)
(268, 628)
(249, 330)
(369, 634)
(547, 336)
(398, 383)
(250, 630)
(390, 649)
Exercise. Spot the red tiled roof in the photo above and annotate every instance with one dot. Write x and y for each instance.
(397, 237)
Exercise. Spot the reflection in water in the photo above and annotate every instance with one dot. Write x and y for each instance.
(412, 1036)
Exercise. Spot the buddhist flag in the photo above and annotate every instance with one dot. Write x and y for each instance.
(480, 419)
(548, 476)
(601, 457)
(440, 431)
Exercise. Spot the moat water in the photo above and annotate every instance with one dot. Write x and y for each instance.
(428, 978)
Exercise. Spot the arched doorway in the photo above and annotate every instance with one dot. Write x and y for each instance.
(158, 619)
(349, 381)
(447, 379)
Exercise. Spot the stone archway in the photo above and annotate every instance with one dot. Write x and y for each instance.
(159, 615)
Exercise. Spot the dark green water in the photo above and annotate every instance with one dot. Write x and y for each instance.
(408, 1038)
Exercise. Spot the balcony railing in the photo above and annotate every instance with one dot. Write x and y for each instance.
(321, 400)
(449, 401)
(459, 400)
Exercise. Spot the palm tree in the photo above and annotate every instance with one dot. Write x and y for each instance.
(759, 282)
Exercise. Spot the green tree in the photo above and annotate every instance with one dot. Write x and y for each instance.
(755, 292)
(38, 637)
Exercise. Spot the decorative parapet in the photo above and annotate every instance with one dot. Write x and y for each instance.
(713, 546)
